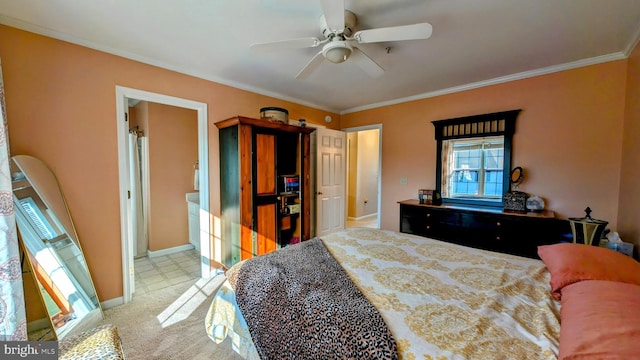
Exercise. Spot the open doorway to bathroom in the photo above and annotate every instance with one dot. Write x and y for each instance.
(169, 244)
(363, 176)
(163, 149)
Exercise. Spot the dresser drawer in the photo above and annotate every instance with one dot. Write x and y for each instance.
(420, 221)
(481, 231)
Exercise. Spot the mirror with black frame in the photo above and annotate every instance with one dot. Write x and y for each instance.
(517, 175)
(52, 249)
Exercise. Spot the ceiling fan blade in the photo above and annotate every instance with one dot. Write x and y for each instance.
(334, 14)
(313, 64)
(395, 33)
(287, 44)
(366, 63)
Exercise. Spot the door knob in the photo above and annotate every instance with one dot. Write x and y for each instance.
(319, 192)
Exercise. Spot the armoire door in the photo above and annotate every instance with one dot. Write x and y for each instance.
(266, 194)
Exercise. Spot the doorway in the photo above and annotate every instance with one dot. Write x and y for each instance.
(364, 164)
(123, 95)
(164, 148)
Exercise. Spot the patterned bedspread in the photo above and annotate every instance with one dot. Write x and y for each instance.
(303, 291)
(439, 300)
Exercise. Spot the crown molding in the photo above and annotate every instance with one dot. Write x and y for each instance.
(494, 81)
(26, 26)
(635, 39)
(23, 25)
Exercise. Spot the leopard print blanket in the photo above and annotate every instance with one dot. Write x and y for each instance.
(300, 304)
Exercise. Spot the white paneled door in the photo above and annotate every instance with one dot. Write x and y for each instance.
(331, 181)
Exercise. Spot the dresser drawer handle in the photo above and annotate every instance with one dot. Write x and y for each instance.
(498, 238)
(428, 215)
(498, 223)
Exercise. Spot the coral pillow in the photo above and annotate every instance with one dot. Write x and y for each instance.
(600, 320)
(569, 263)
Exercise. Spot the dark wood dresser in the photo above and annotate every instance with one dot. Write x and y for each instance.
(484, 228)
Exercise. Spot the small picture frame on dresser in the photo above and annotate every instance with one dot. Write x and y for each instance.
(427, 196)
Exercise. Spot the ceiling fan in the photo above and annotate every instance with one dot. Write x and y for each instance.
(339, 43)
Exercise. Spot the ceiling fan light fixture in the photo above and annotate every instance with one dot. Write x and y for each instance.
(337, 51)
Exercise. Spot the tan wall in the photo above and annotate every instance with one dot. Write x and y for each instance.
(133, 118)
(61, 108)
(173, 150)
(629, 203)
(352, 173)
(568, 138)
(142, 116)
(368, 164)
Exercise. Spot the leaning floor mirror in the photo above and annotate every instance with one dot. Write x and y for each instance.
(62, 293)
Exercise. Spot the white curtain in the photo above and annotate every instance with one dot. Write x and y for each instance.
(13, 322)
(138, 219)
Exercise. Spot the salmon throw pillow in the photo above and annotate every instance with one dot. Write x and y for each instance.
(569, 263)
(600, 320)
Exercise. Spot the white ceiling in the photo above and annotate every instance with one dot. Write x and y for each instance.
(474, 42)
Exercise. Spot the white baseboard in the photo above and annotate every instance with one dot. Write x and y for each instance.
(362, 217)
(111, 303)
(173, 250)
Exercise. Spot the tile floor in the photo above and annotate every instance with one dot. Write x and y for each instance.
(153, 273)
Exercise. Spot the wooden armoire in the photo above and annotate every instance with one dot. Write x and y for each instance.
(264, 185)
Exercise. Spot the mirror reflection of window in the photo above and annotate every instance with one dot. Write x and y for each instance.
(52, 250)
(43, 227)
(68, 300)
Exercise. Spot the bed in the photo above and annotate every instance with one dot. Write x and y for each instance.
(446, 301)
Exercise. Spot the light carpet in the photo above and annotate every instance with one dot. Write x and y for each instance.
(168, 323)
